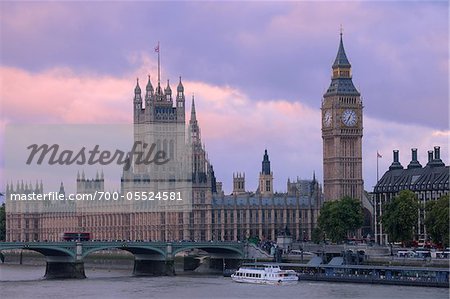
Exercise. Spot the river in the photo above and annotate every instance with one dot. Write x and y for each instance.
(24, 281)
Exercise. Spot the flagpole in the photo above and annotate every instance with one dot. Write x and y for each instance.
(159, 68)
(378, 157)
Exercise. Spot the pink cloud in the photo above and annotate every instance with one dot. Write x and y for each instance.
(235, 128)
(59, 95)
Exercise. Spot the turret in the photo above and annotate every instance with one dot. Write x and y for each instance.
(180, 89)
(137, 96)
(265, 177)
(266, 163)
(168, 92)
(61, 189)
(180, 102)
(137, 102)
(238, 183)
(148, 92)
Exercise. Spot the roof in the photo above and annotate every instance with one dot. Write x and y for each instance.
(414, 179)
(249, 200)
(341, 58)
(342, 86)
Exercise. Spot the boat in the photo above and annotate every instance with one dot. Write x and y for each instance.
(268, 274)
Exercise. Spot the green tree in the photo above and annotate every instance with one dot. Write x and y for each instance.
(437, 219)
(338, 218)
(400, 216)
(2, 222)
(317, 235)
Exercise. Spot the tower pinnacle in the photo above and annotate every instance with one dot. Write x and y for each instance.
(149, 86)
(193, 113)
(137, 90)
(266, 163)
(341, 82)
(180, 87)
(341, 60)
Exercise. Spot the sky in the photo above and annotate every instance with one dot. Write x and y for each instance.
(258, 71)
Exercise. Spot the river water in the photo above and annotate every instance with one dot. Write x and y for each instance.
(24, 281)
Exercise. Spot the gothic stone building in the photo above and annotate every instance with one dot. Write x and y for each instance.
(428, 183)
(342, 131)
(266, 213)
(212, 214)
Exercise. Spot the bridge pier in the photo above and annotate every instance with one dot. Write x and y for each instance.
(153, 268)
(233, 263)
(224, 263)
(190, 263)
(60, 270)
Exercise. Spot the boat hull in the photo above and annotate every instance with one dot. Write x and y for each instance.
(265, 281)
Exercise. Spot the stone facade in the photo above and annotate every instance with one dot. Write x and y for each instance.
(428, 183)
(212, 214)
(342, 131)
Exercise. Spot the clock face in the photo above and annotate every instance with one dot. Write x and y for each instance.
(349, 118)
(327, 118)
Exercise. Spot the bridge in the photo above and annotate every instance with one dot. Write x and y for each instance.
(66, 259)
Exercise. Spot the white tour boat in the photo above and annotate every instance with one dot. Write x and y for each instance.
(269, 274)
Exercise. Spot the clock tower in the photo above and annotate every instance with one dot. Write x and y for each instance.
(342, 131)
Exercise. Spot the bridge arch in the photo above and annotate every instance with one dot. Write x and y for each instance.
(135, 250)
(44, 250)
(211, 249)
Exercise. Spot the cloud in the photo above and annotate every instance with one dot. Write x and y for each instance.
(441, 133)
(236, 127)
(267, 50)
(59, 95)
(238, 131)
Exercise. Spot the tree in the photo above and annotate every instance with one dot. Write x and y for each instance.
(437, 218)
(338, 218)
(317, 235)
(2, 222)
(400, 216)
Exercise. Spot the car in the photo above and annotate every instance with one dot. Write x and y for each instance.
(406, 253)
(422, 253)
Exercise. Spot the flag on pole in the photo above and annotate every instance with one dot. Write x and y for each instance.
(379, 155)
(157, 48)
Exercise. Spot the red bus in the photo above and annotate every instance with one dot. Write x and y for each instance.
(78, 236)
